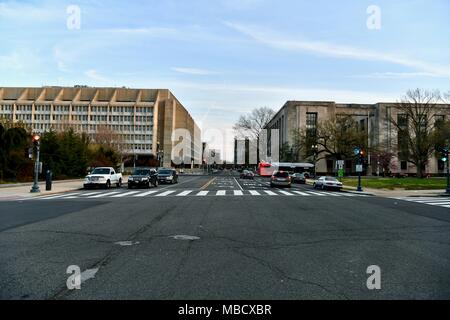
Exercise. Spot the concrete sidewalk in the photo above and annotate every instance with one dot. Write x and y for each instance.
(397, 193)
(400, 193)
(22, 191)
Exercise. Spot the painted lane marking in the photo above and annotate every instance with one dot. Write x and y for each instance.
(238, 193)
(146, 194)
(286, 193)
(221, 193)
(125, 194)
(202, 194)
(103, 195)
(164, 194)
(59, 197)
(185, 193)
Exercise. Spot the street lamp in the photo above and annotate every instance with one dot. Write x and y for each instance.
(446, 160)
(36, 144)
(359, 168)
(160, 154)
(315, 149)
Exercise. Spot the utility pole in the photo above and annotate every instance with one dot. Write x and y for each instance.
(315, 149)
(36, 144)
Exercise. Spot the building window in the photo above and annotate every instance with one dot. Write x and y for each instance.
(311, 124)
(404, 165)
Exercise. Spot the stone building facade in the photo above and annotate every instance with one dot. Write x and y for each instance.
(143, 118)
(372, 118)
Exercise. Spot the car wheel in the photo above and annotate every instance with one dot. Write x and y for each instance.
(155, 184)
(323, 187)
(108, 184)
(119, 184)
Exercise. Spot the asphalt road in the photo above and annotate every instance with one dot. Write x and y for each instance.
(244, 244)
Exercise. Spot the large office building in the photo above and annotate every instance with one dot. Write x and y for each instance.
(373, 119)
(144, 119)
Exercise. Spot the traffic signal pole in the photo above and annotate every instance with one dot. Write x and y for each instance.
(35, 188)
(446, 150)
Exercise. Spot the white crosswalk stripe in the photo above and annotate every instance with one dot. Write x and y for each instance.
(102, 195)
(286, 193)
(185, 193)
(164, 194)
(218, 193)
(145, 194)
(302, 193)
(436, 202)
(121, 195)
(59, 196)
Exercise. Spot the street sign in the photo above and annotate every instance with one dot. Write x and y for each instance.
(359, 168)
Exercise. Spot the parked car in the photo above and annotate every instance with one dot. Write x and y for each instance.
(103, 177)
(167, 176)
(247, 175)
(328, 183)
(143, 177)
(298, 178)
(281, 179)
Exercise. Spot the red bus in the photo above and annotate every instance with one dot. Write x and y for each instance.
(266, 169)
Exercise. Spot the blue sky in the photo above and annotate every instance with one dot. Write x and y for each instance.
(222, 58)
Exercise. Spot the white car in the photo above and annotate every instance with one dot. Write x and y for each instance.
(103, 177)
(328, 183)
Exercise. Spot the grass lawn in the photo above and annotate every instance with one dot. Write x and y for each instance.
(395, 183)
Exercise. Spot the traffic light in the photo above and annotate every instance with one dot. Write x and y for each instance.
(36, 140)
(445, 154)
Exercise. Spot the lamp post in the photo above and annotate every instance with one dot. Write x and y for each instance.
(360, 153)
(446, 153)
(36, 143)
(315, 149)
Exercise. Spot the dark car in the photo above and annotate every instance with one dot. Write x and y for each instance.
(143, 177)
(246, 174)
(281, 179)
(299, 178)
(167, 176)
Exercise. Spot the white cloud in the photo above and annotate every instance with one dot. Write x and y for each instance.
(19, 61)
(269, 38)
(399, 75)
(26, 12)
(193, 71)
(94, 75)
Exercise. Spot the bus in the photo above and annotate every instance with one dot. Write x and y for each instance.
(266, 169)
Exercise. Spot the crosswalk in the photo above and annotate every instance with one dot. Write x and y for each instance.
(196, 193)
(436, 202)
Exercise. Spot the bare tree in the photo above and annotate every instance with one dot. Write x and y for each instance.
(415, 122)
(336, 138)
(252, 124)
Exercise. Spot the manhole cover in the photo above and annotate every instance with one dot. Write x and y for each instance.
(185, 238)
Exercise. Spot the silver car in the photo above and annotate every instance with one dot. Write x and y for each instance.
(328, 183)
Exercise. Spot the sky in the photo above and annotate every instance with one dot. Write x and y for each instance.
(223, 58)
